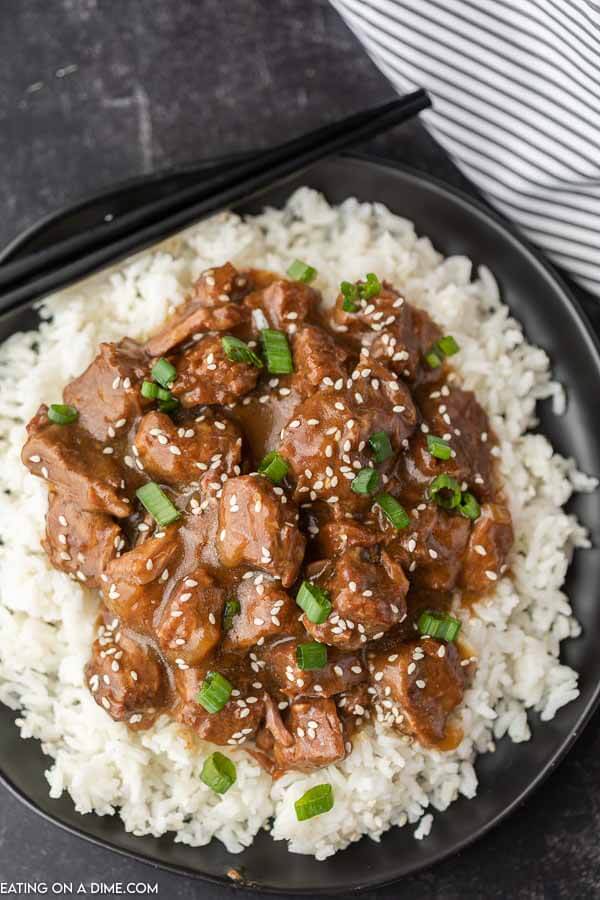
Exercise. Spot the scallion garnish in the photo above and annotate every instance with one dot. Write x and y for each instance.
(311, 655)
(314, 802)
(62, 414)
(350, 295)
(274, 467)
(300, 271)
(168, 405)
(370, 288)
(214, 693)
(447, 345)
(366, 482)
(381, 446)
(392, 510)
(438, 447)
(164, 372)
(445, 491)
(157, 503)
(218, 772)
(468, 506)
(314, 601)
(150, 390)
(277, 352)
(433, 359)
(230, 611)
(238, 351)
(438, 625)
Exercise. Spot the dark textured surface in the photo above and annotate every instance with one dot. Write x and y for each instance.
(161, 84)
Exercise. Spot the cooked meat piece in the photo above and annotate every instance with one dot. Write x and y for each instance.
(80, 543)
(432, 547)
(392, 330)
(239, 719)
(335, 537)
(489, 545)
(342, 670)
(353, 705)
(456, 416)
(318, 360)
(326, 442)
(265, 611)
(213, 306)
(286, 304)
(318, 739)
(206, 376)
(74, 464)
(189, 625)
(182, 454)
(258, 526)
(107, 395)
(368, 598)
(126, 678)
(136, 580)
(426, 683)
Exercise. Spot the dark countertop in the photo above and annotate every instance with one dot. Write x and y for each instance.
(94, 92)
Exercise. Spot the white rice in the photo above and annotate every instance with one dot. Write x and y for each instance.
(46, 620)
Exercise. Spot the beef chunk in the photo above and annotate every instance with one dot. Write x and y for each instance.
(340, 535)
(317, 736)
(341, 672)
(431, 548)
(393, 331)
(239, 719)
(265, 611)
(73, 463)
(189, 627)
(182, 454)
(205, 375)
(126, 678)
(286, 304)
(326, 442)
(456, 416)
(426, 683)
(107, 395)
(258, 526)
(368, 598)
(78, 542)
(318, 360)
(489, 545)
(136, 580)
(213, 306)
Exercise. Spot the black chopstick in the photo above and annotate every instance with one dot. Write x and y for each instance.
(41, 273)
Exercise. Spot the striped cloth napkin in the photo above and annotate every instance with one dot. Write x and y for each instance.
(516, 92)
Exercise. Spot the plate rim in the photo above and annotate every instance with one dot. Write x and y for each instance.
(586, 332)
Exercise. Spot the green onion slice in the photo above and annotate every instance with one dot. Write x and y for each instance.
(315, 802)
(468, 506)
(350, 295)
(433, 360)
(438, 447)
(231, 609)
(392, 510)
(168, 405)
(366, 482)
(239, 351)
(445, 491)
(301, 271)
(150, 390)
(447, 345)
(438, 625)
(311, 655)
(314, 601)
(277, 352)
(370, 288)
(274, 467)
(62, 414)
(380, 444)
(164, 372)
(214, 693)
(157, 503)
(218, 772)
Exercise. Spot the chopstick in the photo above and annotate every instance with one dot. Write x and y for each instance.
(65, 262)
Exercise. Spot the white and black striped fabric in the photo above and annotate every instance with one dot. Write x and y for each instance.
(516, 92)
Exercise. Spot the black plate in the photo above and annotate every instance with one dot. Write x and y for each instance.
(553, 320)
